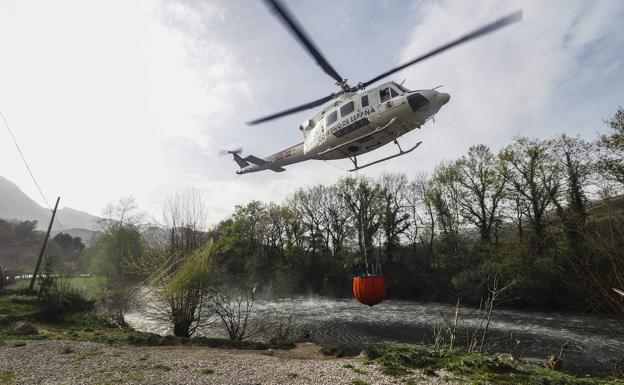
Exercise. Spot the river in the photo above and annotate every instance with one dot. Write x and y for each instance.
(592, 344)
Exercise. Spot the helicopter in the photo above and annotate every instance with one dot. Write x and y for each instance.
(358, 119)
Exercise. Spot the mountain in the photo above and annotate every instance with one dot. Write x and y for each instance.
(14, 204)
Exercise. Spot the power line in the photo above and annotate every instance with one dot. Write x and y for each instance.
(19, 150)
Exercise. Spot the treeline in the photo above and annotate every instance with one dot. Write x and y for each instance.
(20, 245)
(543, 213)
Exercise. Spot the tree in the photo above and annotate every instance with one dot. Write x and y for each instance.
(611, 146)
(444, 195)
(535, 176)
(482, 180)
(577, 160)
(363, 198)
(68, 249)
(338, 219)
(395, 216)
(423, 195)
(179, 270)
(121, 245)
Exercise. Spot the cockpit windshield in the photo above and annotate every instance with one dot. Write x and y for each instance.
(403, 89)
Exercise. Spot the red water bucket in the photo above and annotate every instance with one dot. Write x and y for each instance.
(369, 290)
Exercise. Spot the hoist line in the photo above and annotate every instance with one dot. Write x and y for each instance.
(19, 150)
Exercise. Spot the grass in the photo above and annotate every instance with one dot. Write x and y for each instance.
(206, 371)
(292, 376)
(67, 350)
(18, 306)
(163, 367)
(399, 360)
(358, 382)
(92, 287)
(355, 370)
(7, 377)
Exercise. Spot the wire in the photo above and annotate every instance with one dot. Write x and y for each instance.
(333, 165)
(19, 150)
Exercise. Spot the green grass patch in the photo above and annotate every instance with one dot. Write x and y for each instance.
(7, 377)
(92, 287)
(67, 350)
(19, 344)
(355, 370)
(163, 367)
(399, 360)
(18, 306)
(206, 371)
(358, 382)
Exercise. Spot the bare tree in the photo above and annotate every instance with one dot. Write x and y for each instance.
(395, 214)
(363, 199)
(179, 270)
(338, 220)
(233, 305)
(486, 310)
(421, 200)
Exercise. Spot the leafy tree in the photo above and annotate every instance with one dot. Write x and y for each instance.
(482, 179)
(535, 176)
(611, 161)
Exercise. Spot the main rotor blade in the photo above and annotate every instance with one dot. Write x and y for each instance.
(512, 18)
(293, 110)
(298, 31)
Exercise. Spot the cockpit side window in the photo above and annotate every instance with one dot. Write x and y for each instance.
(403, 89)
(384, 94)
(346, 109)
(364, 100)
(331, 118)
(393, 92)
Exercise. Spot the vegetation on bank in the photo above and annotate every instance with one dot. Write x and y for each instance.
(92, 287)
(501, 369)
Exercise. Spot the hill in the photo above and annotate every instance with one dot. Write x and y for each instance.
(15, 204)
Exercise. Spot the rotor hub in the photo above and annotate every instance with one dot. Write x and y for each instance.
(344, 86)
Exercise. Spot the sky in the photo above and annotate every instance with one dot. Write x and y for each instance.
(115, 98)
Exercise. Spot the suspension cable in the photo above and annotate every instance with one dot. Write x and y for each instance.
(19, 150)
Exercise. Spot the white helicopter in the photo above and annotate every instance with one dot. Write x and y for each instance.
(357, 121)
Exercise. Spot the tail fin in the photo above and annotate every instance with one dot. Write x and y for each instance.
(241, 162)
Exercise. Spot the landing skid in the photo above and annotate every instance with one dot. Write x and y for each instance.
(401, 152)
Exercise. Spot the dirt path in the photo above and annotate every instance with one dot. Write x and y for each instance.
(72, 362)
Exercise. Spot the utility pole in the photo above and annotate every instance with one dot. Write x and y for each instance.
(43, 247)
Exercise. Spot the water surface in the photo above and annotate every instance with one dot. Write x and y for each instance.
(592, 344)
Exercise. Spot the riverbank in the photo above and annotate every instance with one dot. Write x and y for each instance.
(81, 362)
(93, 349)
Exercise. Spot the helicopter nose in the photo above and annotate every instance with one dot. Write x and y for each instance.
(443, 98)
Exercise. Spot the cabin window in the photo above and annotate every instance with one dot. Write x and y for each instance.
(346, 109)
(393, 93)
(384, 94)
(331, 118)
(364, 100)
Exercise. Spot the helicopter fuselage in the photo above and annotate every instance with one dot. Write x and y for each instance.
(356, 123)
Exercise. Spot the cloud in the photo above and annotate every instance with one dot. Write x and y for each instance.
(506, 84)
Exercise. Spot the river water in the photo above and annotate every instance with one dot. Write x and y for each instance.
(592, 344)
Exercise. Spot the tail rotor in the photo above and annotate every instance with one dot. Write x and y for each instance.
(236, 151)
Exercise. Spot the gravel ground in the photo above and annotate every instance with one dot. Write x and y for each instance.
(73, 362)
